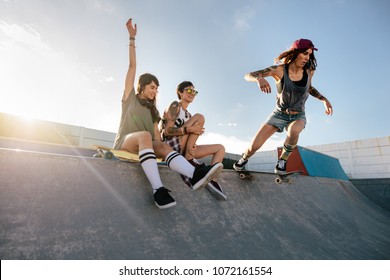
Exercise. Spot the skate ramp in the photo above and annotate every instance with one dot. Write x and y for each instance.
(71, 207)
(314, 163)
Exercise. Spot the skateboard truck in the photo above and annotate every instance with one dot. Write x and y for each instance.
(284, 177)
(105, 154)
(245, 175)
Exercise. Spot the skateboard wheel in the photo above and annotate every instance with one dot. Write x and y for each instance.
(97, 156)
(288, 181)
(278, 180)
(242, 176)
(108, 155)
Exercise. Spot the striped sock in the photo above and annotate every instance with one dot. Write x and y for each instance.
(148, 162)
(178, 163)
(287, 150)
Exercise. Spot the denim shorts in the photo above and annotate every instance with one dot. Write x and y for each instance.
(282, 120)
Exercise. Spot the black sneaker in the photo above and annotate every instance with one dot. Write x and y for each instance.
(204, 174)
(216, 190)
(280, 167)
(240, 165)
(186, 180)
(196, 163)
(163, 199)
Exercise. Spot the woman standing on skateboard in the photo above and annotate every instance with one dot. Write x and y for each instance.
(138, 132)
(293, 82)
(181, 131)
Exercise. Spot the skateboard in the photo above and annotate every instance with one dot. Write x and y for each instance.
(112, 154)
(280, 178)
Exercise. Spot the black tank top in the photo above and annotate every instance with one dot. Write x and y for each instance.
(292, 95)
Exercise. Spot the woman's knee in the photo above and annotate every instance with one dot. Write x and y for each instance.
(199, 118)
(220, 148)
(145, 138)
(294, 131)
(161, 149)
(137, 139)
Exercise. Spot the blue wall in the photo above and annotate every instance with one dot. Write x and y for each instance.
(321, 165)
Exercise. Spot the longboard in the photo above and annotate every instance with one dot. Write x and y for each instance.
(112, 154)
(280, 178)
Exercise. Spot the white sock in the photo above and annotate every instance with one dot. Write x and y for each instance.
(178, 163)
(148, 162)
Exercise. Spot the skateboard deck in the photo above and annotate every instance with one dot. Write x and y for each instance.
(280, 178)
(112, 154)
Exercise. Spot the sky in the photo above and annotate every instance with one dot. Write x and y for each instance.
(65, 61)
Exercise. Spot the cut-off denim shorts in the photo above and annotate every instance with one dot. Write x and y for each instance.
(282, 120)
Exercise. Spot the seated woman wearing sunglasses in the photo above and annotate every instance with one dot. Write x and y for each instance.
(181, 131)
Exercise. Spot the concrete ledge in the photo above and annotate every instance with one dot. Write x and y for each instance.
(67, 207)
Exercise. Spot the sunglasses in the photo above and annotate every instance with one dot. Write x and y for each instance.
(191, 91)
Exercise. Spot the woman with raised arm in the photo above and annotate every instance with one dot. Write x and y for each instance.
(138, 132)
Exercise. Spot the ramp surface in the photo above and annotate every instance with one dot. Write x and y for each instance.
(69, 207)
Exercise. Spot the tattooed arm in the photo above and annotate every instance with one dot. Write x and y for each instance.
(174, 131)
(315, 93)
(170, 116)
(254, 76)
(276, 71)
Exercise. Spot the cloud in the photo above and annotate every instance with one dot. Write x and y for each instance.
(30, 40)
(25, 35)
(242, 18)
(231, 124)
(101, 6)
(237, 145)
(53, 85)
(109, 79)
